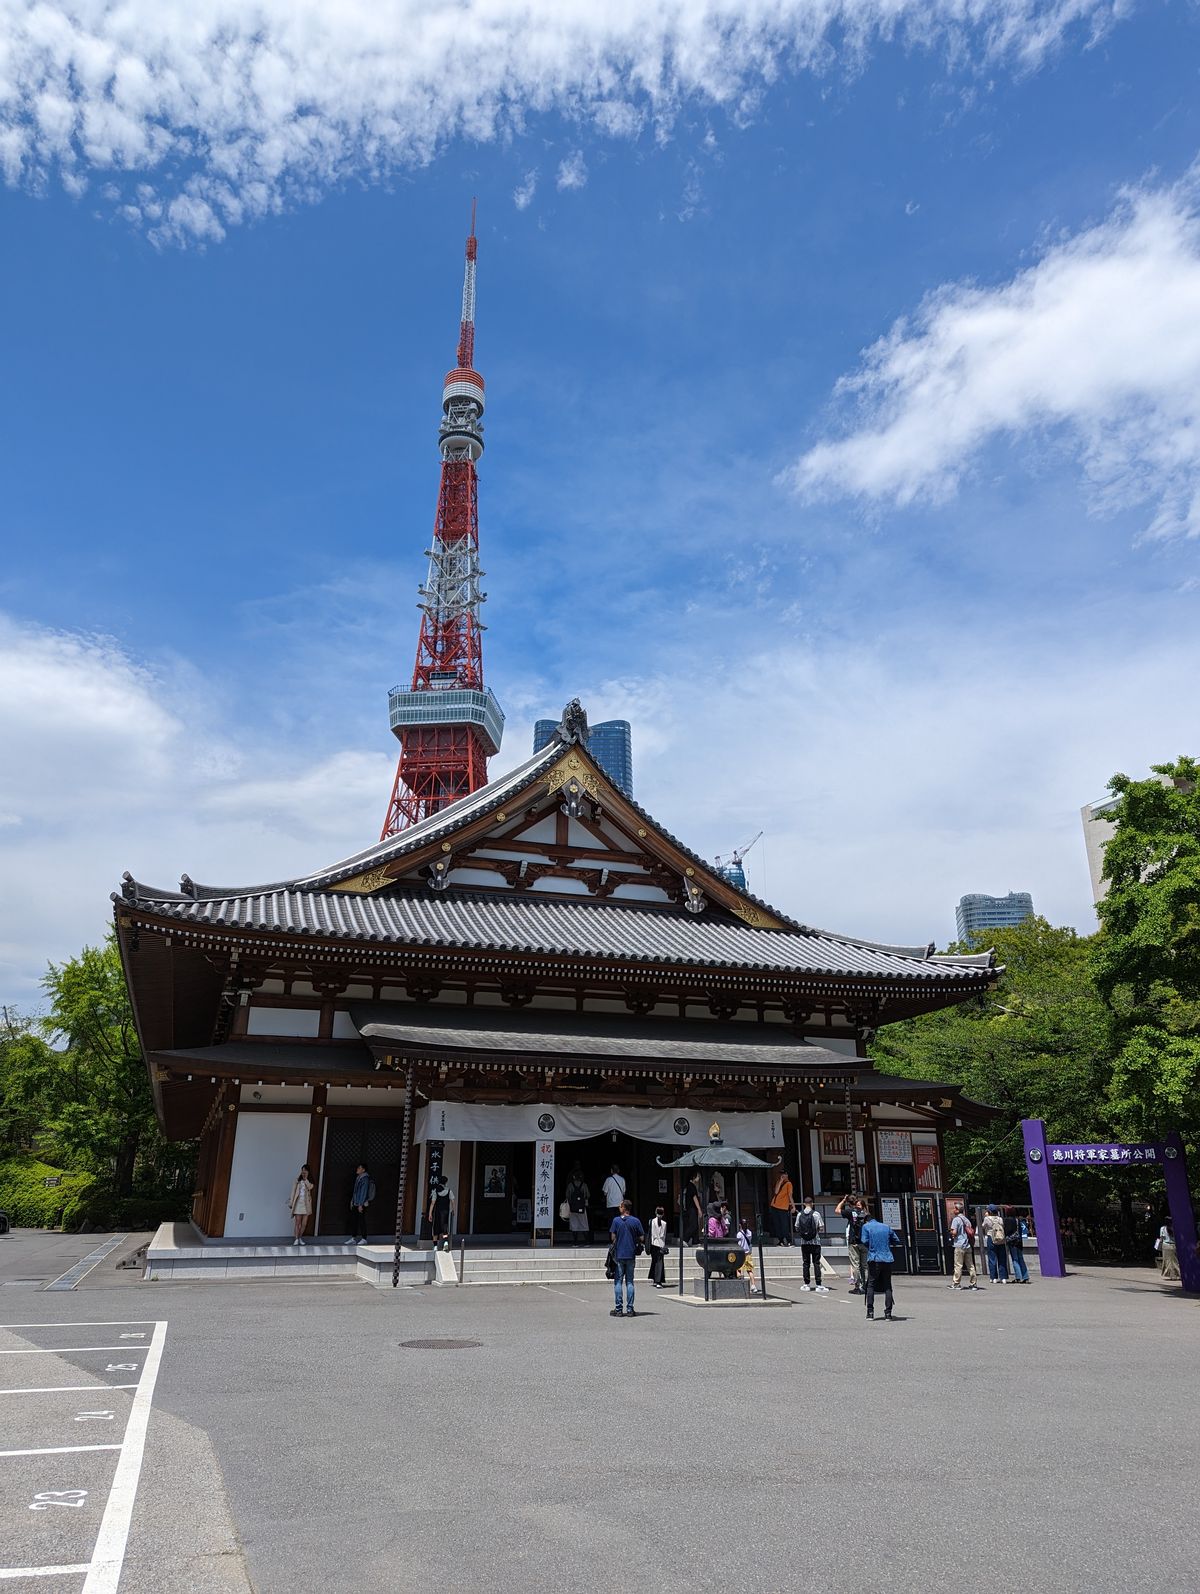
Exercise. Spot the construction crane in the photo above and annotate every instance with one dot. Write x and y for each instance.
(733, 871)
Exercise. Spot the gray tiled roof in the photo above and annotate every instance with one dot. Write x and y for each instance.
(488, 799)
(586, 1035)
(498, 922)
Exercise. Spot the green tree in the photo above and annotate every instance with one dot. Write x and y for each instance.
(1146, 961)
(96, 1090)
(1039, 1046)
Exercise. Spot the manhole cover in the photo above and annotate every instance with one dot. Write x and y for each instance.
(440, 1344)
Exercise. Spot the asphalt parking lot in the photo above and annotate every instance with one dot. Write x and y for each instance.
(275, 1436)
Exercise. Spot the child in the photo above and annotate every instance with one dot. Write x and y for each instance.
(745, 1240)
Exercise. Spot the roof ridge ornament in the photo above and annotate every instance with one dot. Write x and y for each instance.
(573, 727)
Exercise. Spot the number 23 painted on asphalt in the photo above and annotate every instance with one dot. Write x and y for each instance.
(49, 1497)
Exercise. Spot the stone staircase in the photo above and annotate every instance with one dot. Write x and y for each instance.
(561, 1265)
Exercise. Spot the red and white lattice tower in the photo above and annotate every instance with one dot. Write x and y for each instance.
(449, 724)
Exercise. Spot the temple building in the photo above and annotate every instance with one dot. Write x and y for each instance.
(537, 976)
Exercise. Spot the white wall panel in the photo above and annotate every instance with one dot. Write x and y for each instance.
(267, 1155)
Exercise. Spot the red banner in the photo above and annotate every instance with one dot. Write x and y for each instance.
(928, 1168)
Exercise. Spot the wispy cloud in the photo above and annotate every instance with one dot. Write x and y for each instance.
(525, 190)
(214, 112)
(1097, 344)
(572, 172)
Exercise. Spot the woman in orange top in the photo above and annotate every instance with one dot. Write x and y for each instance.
(780, 1211)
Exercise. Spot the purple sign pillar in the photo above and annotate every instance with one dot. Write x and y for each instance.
(1041, 1195)
(1183, 1219)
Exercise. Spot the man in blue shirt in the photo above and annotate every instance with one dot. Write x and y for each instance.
(628, 1237)
(879, 1239)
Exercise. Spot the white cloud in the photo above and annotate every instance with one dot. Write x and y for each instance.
(1097, 344)
(572, 172)
(108, 765)
(889, 779)
(525, 190)
(228, 111)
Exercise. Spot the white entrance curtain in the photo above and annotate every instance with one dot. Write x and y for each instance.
(681, 1126)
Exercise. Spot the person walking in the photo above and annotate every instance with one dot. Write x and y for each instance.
(578, 1198)
(628, 1238)
(779, 1213)
(879, 1238)
(1014, 1242)
(301, 1204)
(992, 1229)
(441, 1214)
(614, 1193)
(692, 1208)
(962, 1237)
(658, 1249)
(810, 1226)
(856, 1214)
(361, 1197)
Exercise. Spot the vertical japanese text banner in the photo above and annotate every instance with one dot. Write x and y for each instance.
(543, 1185)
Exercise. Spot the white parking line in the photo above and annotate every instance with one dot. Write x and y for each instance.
(102, 1572)
(70, 1350)
(69, 1389)
(115, 1322)
(42, 1571)
(108, 1557)
(58, 1450)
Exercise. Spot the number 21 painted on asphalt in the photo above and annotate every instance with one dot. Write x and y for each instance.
(49, 1497)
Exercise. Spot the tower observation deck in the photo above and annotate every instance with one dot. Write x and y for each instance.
(448, 722)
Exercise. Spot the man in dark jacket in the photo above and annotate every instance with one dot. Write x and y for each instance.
(360, 1199)
(628, 1238)
(879, 1238)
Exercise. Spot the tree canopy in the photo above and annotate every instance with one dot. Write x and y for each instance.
(1099, 1035)
(73, 1081)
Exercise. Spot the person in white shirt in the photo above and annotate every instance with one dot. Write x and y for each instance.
(658, 1249)
(614, 1193)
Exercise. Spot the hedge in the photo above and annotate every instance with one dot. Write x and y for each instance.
(24, 1195)
(78, 1202)
(95, 1209)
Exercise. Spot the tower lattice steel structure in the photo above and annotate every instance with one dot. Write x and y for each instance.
(448, 722)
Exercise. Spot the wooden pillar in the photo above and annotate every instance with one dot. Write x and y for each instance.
(316, 1141)
(466, 1186)
(809, 1176)
(870, 1151)
(223, 1167)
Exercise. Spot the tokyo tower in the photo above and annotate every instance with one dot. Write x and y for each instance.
(448, 723)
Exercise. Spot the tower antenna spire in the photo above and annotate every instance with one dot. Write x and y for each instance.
(448, 722)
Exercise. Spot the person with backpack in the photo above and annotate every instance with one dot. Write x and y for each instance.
(628, 1242)
(810, 1226)
(992, 1229)
(576, 1198)
(614, 1193)
(856, 1214)
(1015, 1242)
(658, 1249)
(879, 1238)
(360, 1199)
(441, 1213)
(962, 1235)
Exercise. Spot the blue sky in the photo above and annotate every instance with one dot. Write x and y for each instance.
(842, 428)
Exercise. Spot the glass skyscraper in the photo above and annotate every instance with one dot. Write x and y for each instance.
(977, 914)
(610, 744)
